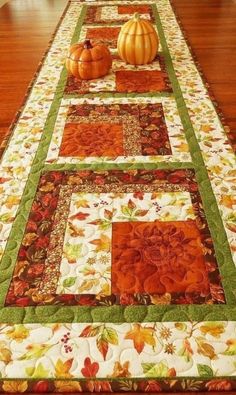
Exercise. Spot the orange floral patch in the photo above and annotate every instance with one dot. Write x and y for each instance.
(92, 139)
(158, 257)
(140, 81)
(130, 9)
(103, 33)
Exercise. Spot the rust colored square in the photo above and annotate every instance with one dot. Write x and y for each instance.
(140, 81)
(102, 33)
(158, 258)
(131, 9)
(92, 139)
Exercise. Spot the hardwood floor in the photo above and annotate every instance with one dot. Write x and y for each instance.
(210, 27)
(26, 27)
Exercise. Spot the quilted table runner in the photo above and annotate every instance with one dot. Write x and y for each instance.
(117, 226)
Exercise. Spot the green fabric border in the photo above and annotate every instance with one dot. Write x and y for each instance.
(117, 166)
(105, 95)
(119, 314)
(116, 314)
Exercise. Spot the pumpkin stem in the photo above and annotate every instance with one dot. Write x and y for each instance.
(136, 16)
(87, 44)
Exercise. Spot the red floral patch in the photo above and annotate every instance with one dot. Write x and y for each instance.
(131, 9)
(105, 35)
(141, 81)
(158, 257)
(92, 139)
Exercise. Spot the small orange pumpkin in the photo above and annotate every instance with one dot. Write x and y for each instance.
(137, 41)
(87, 62)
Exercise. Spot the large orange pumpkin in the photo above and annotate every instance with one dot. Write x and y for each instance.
(87, 62)
(137, 41)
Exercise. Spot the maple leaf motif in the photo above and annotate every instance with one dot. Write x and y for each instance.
(67, 386)
(75, 231)
(102, 244)
(138, 195)
(141, 336)
(62, 368)
(82, 203)
(17, 386)
(121, 370)
(90, 369)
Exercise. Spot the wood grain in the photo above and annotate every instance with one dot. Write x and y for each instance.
(210, 29)
(25, 31)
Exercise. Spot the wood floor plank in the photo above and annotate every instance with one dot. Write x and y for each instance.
(210, 28)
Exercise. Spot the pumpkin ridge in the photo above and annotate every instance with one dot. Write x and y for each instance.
(88, 63)
(144, 34)
(149, 49)
(133, 45)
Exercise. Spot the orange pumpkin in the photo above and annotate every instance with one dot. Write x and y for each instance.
(137, 41)
(87, 62)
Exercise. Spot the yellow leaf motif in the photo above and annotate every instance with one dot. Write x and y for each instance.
(19, 170)
(82, 203)
(37, 372)
(231, 349)
(205, 349)
(49, 186)
(29, 238)
(213, 328)
(87, 285)
(5, 353)
(105, 290)
(206, 128)
(228, 200)
(12, 201)
(163, 299)
(40, 298)
(180, 326)
(183, 147)
(102, 244)
(141, 336)
(15, 386)
(18, 333)
(35, 351)
(62, 369)
(67, 386)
